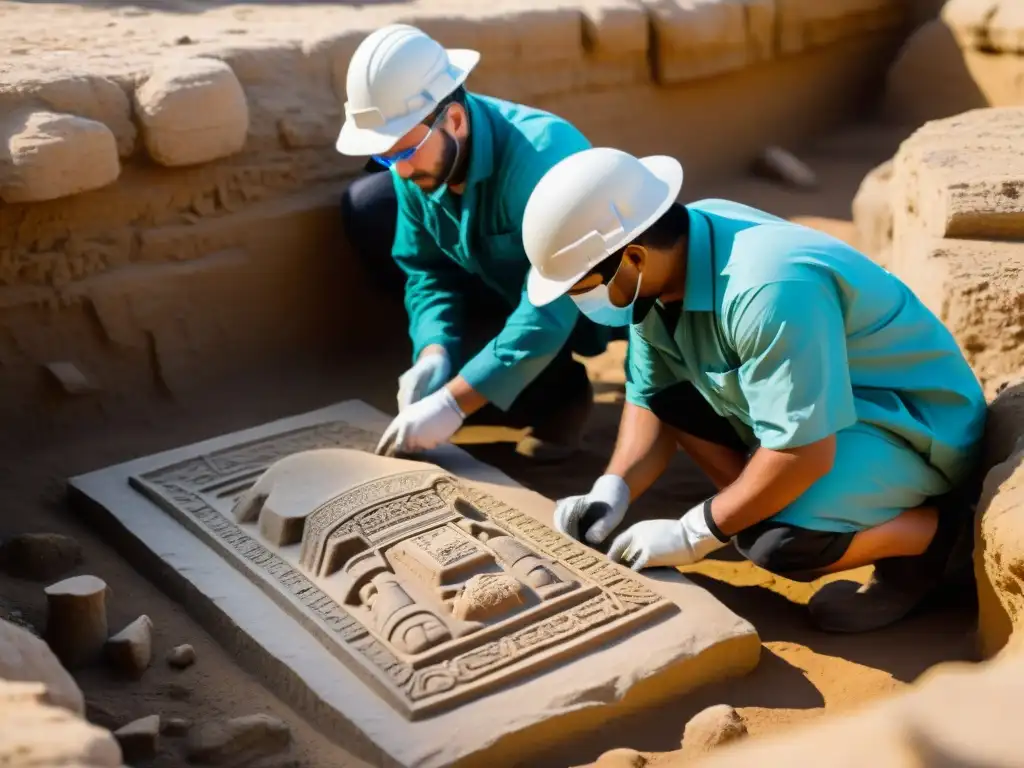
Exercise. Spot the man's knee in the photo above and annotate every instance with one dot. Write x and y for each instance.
(798, 554)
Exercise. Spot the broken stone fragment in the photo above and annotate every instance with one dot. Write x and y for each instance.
(192, 111)
(48, 155)
(39, 556)
(711, 728)
(139, 739)
(182, 656)
(131, 650)
(241, 738)
(24, 657)
(76, 619)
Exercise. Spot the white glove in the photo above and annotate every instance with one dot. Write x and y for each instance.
(667, 542)
(423, 425)
(427, 375)
(603, 508)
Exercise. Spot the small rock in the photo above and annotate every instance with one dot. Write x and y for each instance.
(70, 377)
(710, 728)
(183, 40)
(139, 739)
(175, 726)
(248, 737)
(182, 656)
(131, 650)
(777, 163)
(40, 556)
(621, 758)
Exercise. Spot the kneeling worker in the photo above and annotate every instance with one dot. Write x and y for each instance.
(832, 410)
(462, 168)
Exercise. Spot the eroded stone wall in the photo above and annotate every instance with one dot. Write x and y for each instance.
(169, 185)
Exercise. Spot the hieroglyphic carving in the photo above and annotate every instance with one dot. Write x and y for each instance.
(401, 646)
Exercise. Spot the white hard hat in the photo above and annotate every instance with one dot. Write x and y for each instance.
(587, 207)
(396, 77)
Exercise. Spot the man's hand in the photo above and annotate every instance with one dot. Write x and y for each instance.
(423, 425)
(430, 372)
(594, 515)
(651, 543)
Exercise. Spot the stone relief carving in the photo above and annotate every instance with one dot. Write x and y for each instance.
(432, 591)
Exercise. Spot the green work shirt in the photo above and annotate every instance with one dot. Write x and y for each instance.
(440, 234)
(794, 336)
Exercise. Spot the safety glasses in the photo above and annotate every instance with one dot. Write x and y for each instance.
(388, 161)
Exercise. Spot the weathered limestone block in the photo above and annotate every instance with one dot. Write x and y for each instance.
(192, 111)
(409, 600)
(24, 657)
(935, 76)
(999, 548)
(872, 213)
(46, 155)
(806, 24)
(92, 96)
(928, 725)
(962, 178)
(995, 26)
(975, 288)
(36, 735)
(694, 39)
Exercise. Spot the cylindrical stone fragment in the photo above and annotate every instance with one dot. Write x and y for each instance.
(76, 623)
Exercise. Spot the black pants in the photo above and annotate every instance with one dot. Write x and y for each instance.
(369, 211)
(788, 550)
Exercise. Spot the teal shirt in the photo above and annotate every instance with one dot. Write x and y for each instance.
(795, 336)
(440, 234)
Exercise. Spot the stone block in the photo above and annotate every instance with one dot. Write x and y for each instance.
(806, 24)
(962, 177)
(46, 155)
(92, 96)
(695, 39)
(975, 288)
(341, 579)
(192, 111)
(999, 548)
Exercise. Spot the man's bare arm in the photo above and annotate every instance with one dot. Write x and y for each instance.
(643, 449)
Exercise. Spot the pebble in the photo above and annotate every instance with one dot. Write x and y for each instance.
(139, 739)
(621, 758)
(175, 726)
(130, 651)
(182, 656)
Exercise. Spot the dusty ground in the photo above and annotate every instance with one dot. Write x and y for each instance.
(803, 674)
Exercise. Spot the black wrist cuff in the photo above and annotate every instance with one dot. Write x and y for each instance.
(712, 525)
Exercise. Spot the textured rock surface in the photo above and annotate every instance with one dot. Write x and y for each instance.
(39, 556)
(711, 728)
(957, 193)
(36, 735)
(238, 740)
(24, 657)
(192, 111)
(131, 650)
(46, 155)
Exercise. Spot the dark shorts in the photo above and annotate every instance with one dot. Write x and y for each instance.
(788, 550)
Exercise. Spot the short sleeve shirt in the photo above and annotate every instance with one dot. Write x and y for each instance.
(793, 336)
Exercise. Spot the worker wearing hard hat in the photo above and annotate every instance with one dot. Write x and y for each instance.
(463, 166)
(834, 413)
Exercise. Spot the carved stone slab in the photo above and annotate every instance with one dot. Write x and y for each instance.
(393, 601)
